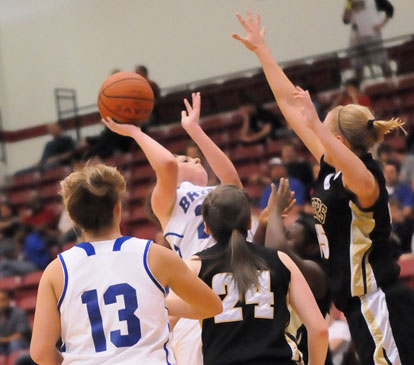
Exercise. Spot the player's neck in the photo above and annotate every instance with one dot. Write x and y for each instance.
(103, 235)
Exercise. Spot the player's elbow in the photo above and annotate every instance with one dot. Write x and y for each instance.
(214, 308)
(40, 352)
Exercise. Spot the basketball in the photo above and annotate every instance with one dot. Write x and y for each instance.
(126, 97)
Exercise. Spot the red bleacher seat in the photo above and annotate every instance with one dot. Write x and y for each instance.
(19, 197)
(15, 355)
(255, 191)
(10, 282)
(407, 272)
(209, 94)
(120, 161)
(55, 174)
(140, 192)
(212, 124)
(50, 191)
(379, 90)
(258, 89)
(27, 303)
(177, 146)
(324, 74)
(142, 173)
(143, 230)
(27, 179)
(3, 360)
(247, 153)
(247, 170)
(31, 280)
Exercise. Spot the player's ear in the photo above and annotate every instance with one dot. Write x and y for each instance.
(250, 222)
(206, 229)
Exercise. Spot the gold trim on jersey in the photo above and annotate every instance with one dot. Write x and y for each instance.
(375, 312)
(362, 225)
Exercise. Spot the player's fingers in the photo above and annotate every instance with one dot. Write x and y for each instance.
(187, 105)
(238, 37)
(242, 21)
(258, 20)
(183, 114)
(249, 16)
(262, 33)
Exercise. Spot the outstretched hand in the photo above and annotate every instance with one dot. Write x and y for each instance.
(254, 35)
(127, 130)
(282, 199)
(191, 117)
(307, 108)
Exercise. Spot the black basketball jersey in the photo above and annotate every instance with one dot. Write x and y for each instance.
(354, 241)
(251, 331)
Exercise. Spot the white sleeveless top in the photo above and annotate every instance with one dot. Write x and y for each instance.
(112, 307)
(185, 229)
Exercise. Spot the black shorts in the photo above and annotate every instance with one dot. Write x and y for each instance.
(382, 326)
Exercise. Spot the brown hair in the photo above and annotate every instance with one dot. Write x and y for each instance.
(359, 127)
(90, 195)
(226, 211)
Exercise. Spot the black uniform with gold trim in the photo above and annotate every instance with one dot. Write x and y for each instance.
(251, 331)
(362, 273)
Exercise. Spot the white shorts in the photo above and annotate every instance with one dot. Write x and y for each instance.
(186, 342)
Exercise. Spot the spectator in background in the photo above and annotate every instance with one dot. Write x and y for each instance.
(278, 170)
(104, 145)
(259, 123)
(384, 152)
(352, 95)
(366, 20)
(297, 168)
(407, 166)
(40, 245)
(59, 150)
(13, 262)
(56, 152)
(396, 189)
(402, 229)
(14, 326)
(143, 71)
(10, 222)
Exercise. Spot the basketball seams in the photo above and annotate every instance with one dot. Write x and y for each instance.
(131, 120)
(143, 82)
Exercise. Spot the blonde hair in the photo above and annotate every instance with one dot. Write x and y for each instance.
(358, 126)
(90, 194)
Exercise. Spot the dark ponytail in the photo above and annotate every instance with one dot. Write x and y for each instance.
(226, 211)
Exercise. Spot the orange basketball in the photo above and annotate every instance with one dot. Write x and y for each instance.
(126, 97)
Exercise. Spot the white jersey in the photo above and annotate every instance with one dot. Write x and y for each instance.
(112, 307)
(185, 229)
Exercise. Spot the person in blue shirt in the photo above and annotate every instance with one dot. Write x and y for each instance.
(396, 189)
(277, 171)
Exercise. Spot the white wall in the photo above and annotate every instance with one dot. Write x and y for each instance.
(77, 43)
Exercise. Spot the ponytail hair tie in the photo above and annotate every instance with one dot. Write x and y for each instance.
(370, 123)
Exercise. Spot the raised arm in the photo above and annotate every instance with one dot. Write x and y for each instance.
(355, 175)
(217, 159)
(281, 86)
(276, 238)
(304, 304)
(196, 300)
(161, 160)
